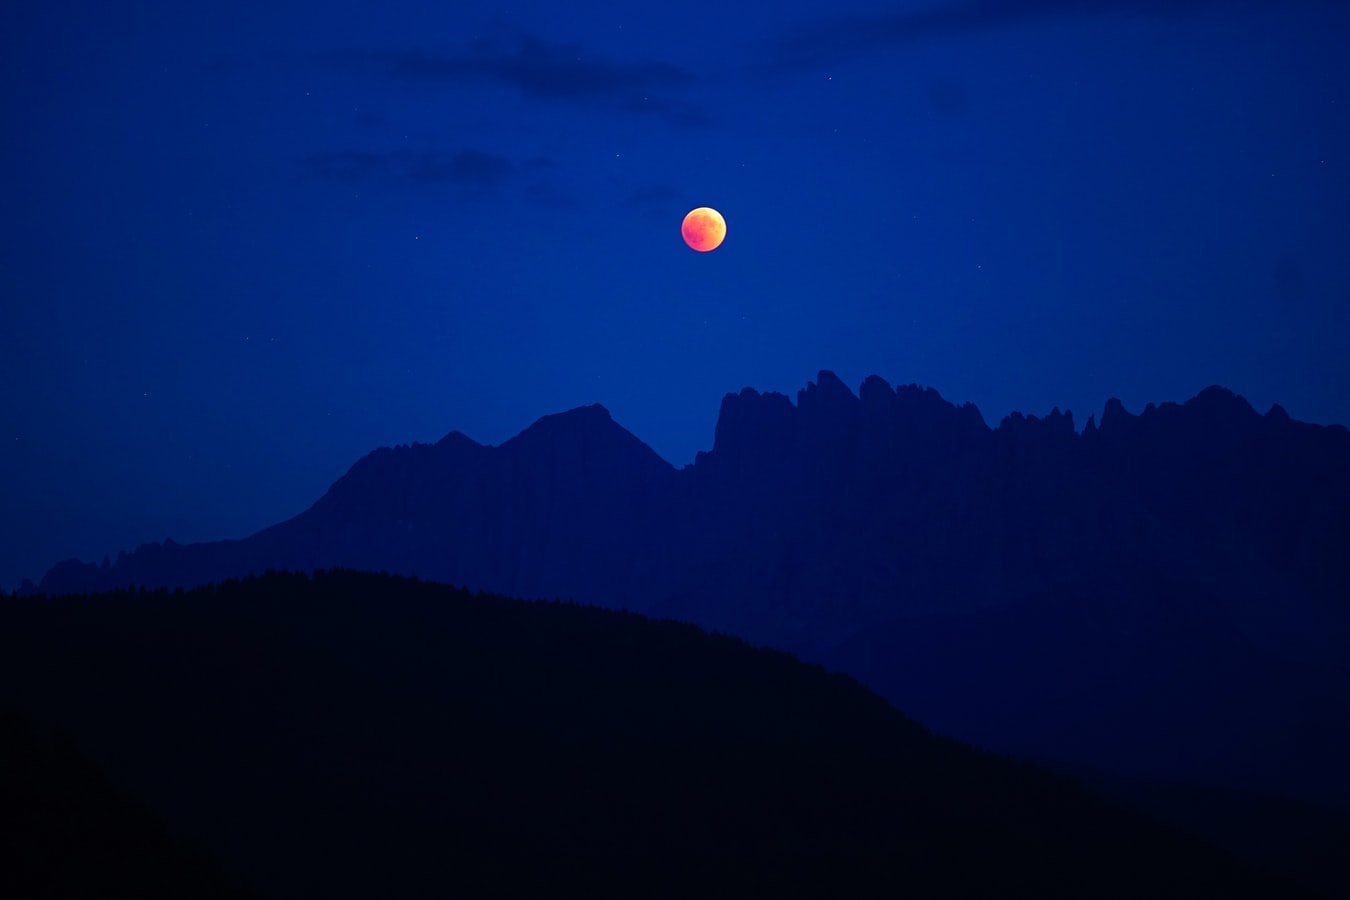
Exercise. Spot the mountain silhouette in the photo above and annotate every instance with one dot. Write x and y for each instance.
(1163, 594)
(361, 735)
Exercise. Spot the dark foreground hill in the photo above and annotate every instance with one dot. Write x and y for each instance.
(357, 735)
(70, 835)
(1164, 594)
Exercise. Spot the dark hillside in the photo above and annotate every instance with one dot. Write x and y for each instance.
(356, 735)
(68, 833)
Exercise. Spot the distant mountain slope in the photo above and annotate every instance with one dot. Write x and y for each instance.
(887, 532)
(357, 735)
(1306, 842)
(560, 510)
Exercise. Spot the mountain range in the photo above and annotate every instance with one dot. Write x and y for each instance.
(1163, 594)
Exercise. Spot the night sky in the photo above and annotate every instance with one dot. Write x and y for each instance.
(245, 244)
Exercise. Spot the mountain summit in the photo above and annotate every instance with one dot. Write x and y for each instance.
(1163, 592)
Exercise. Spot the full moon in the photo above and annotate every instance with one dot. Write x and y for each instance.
(704, 229)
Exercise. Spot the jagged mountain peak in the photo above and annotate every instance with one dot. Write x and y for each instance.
(1215, 414)
(875, 392)
(457, 439)
(586, 434)
(1055, 422)
(750, 423)
(1114, 416)
(829, 399)
(590, 413)
(1216, 402)
(576, 423)
(826, 394)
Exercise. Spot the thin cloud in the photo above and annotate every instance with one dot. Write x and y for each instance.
(656, 201)
(472, 169)
(546, 195)
(536, 68)
(835, 39)
(467, 168)
(347, 165)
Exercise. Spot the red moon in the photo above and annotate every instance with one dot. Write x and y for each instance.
(704, 229)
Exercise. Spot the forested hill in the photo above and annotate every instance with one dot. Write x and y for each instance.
(358, 735)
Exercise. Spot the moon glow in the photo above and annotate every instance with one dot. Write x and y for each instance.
(704, 229)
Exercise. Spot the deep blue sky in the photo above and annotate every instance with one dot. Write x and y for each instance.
(244, 244)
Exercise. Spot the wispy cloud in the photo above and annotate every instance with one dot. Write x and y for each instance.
(654, 201)
(472, 169)
(540, 69)
(834, 39)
